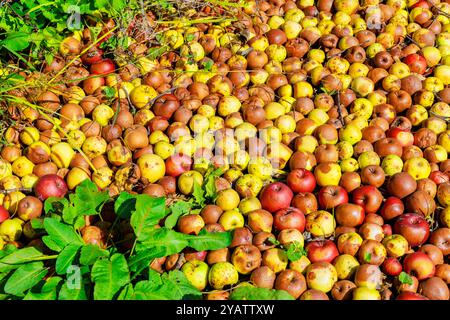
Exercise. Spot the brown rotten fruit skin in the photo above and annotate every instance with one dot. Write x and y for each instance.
(401, 185)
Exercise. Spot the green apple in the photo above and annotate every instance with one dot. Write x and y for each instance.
(11, 229)
(260, 167)
(346, 266)
(187, 179)
(418, 168)
(345, 150)
(196, 272)
(222, 274)
(231, 219)
(349, 165)
(363, 293)
(396, 245)
(249, 204)
(320, 223)
(227, 199)
(327, 174)
(350, 133)
(392, 164)
(248, 185)
(321, 276)
(368, 158)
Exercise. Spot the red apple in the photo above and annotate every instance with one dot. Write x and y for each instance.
(177, 164)
(275, 196)
(301, 180)
(331, 196)
(387, 229)
(368, 197)
(413, 227)
(419, 264)
(438, 177)
(410, 296)
(392, 208)
(416, 63)
(289, 218)
(50, 185)
(421, 4)
(4, 214)
(392, 267)
(321, 251)
(104, 66)
(405, 137)
(93, 55)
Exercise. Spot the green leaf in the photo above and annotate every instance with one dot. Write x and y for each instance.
(405, 278)
(179, 285)
(60, 234)
(18, 257)
(295, 251)
(190, 37)
(88, 199)
(55, 205)
(274, 241)
(37, 223)
(367, 256)
(199, 194)
(66, 257)
(48, 291)
(170, 241)
(141, 259)
(25, 278)
(208, 65)
(210, 185)
(126, 293)
(67, 293)
(109, 276)
(16, 41)
(149, 211)
(209, 240)
(90, 253)
(171, 286)
(178, 209)
(109, 92)
(124, 205)
(255, 293)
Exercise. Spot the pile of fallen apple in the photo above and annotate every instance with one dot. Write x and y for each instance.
(329, 119)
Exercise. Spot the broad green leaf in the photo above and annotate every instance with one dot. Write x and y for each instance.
(210, 185)
(88, 199)
(60, 234)
(109, 276)
(124, 205)
(37, 223)
(180, 286)
(55, 205)
(209, 240)
(295, 251)
(68, 293)
(16, 41)
(178, 209)
(199, 194)
(149, 210)
(141, 259)
(25, 277)
(168, 240)
(48, 291)
(126, 293)
(66, 258)
(16, 258)
(405, 278)
(90, 253)
(146, 290)
(255, 293)
(171, 286)
(49, 295)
